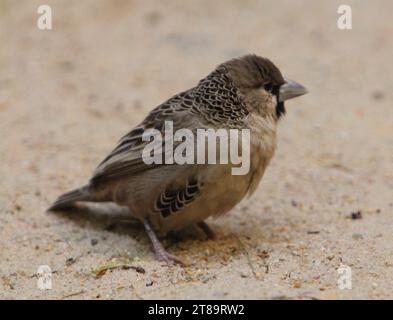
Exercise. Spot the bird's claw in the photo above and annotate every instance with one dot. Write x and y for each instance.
(163, 255)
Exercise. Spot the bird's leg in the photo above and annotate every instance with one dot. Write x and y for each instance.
(158, 248)
(207, 230)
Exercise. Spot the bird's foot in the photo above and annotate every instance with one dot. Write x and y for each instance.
(210, 234)
(163, 255)
(159, 250)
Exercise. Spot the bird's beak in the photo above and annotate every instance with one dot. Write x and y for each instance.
(290, 90)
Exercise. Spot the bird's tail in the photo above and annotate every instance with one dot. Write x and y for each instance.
(68, 199)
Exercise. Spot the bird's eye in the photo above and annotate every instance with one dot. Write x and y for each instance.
(268, 87)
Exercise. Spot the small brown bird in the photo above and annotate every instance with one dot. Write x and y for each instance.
(244, 93)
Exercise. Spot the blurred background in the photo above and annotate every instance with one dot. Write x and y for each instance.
(68, 94)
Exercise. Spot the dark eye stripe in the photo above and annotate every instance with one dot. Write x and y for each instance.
(273, 89)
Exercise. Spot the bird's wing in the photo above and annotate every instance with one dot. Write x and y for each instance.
(173, 199)
(126, 159)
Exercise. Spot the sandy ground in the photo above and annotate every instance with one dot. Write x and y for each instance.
(68, 94)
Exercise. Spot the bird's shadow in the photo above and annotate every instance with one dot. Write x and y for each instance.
(114, 218)
(191, 240)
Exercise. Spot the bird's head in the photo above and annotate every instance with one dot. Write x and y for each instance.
(262, 85)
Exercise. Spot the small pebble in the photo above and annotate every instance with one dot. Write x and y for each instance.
(293, 203)
(357, 236)
(356, 215)
(297, 284)
(70, 261)
(149, 283)
(93, 242)
(378, 95)
(263, 254)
